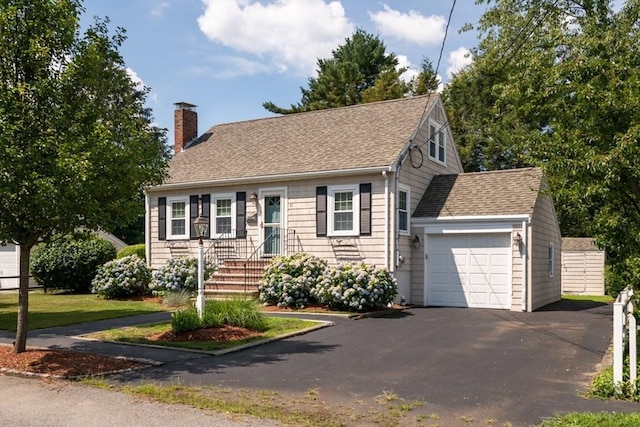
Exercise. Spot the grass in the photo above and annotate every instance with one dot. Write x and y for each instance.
(592, 298)
(51, 309)
(276, 326)
(302, 409)
(594, 419)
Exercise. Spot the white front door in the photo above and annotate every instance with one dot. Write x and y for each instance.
(469, 270)
(273, 216)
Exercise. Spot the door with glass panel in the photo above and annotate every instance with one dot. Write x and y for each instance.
(272, 224)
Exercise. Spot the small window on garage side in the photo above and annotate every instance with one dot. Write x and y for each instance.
(551, 261)
(178, 218)
(403, 209)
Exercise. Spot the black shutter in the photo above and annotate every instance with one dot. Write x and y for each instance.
(206, 210)
(365, 209)
(241, 214)
(321, 211)
(193, 213)
(162, 218)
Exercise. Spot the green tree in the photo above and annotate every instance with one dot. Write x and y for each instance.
(426, 81)
(353, 68)
(556, 83)
(76, 142)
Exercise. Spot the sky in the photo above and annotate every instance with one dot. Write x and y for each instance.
(229, 56)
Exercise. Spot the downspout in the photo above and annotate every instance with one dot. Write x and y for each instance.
(147, 229)
(386, 220)
(525, 270)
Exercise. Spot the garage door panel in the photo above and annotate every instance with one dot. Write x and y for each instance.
(469, 270)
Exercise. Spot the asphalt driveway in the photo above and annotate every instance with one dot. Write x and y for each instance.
(472, 363)
(464, 364)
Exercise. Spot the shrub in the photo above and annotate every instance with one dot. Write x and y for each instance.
(185, 320)
(70, 262)
(139, 250)
(122, 278)
(288, 280)
(179, 274)
(177, 299)
(244, 313)
(356, 287)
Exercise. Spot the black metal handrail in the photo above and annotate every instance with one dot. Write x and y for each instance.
(228, 245)
(280, 241)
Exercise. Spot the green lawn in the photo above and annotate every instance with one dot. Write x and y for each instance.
(276, 326)
(48, 310)
(597, 419)
(593, 298)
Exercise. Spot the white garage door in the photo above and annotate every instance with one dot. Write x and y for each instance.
(8, 266)
(469, 270)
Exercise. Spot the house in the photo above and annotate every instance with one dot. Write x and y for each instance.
(582, 266)
(348, 184)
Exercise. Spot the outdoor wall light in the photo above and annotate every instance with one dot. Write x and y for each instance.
(416, 241)
(517, 240)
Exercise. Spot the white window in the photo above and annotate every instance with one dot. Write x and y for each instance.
(344, 211)
(437, 143)
(551, 259)
(178, 218)
(403, 209)
(223, 208)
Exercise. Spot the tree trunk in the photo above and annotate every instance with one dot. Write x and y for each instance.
(20, 344)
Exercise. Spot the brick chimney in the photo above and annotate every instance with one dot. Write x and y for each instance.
(185, 125)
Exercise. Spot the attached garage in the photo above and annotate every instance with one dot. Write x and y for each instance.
(9, 266)
(490, 241)
(469, 270)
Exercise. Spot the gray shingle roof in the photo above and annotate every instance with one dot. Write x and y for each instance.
(578, 244)
(507, 192)
(359, 136)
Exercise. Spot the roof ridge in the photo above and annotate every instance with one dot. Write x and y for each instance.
(529, 168)
(325, 110)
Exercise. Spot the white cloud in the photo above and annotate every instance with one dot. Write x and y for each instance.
(285, 34)
(140, 85)
(412, 27)
(403, 62)
(135, 79)
(157, 11)
(458, 59)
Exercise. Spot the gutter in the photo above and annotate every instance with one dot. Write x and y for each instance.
(386, 220)
(147, 229)
(525, 269)
(272, 178)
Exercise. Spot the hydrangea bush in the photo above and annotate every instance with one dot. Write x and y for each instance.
(288, 280)
(122, 278)
(356, 287)
(179, 274)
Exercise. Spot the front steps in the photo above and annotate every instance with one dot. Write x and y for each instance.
(229, 280)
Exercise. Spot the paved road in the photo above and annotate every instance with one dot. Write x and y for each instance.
(39, 403)
(480, 364)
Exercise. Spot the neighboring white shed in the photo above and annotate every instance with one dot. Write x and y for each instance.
(582, 266)
(9, 266)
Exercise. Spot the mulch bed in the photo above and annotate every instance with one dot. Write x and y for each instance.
(60, 363)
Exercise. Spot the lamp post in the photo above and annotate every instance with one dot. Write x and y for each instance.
(200, 224)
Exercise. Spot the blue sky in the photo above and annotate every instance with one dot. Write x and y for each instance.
(230, 56)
